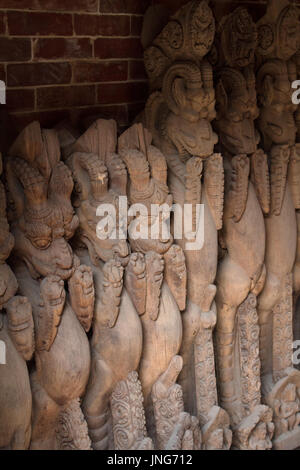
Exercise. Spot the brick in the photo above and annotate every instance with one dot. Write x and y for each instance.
(136, 25)
(15, 50)
(39, 24)
(122, 92)
(2, 22)
(56, 5)
(118, 48)
(90, 72)
(137, 70)
(20, 99)
(102, 25)
(124, 6)
(65, 96)
(61, 48)
(38, 74)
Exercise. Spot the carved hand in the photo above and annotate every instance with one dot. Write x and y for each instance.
(82, 295)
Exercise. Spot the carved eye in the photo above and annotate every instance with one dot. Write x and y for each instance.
(41, 243)
(278, 108)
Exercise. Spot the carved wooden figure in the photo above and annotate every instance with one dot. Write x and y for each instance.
(43, 221)
(17, 347)
(241, 273)
(293, 177)
(119, 278)
(278, 42)
(161, 319)
(179, 113)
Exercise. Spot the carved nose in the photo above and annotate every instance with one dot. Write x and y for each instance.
(121, 249)
(64, 258)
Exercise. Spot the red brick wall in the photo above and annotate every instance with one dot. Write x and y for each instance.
(72, 58)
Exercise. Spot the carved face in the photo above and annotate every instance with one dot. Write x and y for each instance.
(155, 228)
(236, 127)
(193, 139)
(239, 39)
(276, 120)
(20, 325)
(236, 111)
(56, 256)
(289, 31)
(101, 240)
(47, 219)
(202, 28)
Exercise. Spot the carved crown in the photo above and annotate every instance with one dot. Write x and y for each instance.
(278, 30)
(236, 40)
(189, 35)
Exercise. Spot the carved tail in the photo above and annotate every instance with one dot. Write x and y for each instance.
(72, 430)
(99, 430)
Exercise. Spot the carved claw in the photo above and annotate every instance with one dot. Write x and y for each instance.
(194, 167)
(238, 194)
(161, 389)
(51, 308)
(136, 282)
(174, 429)
(82, 295)
(186, 434)
(209, 295)
(111, 295)
(154, 269)
(20, 326)
(176, 275)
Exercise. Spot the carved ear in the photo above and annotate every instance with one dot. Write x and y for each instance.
(25, 181)
(107, 137)
(179, 94)
(52, 147)
(100, 139)
(221, 98)
(135, 138)
(29, 143)
(15, 188)
(90, 175)
(267, 91)
(176, 82)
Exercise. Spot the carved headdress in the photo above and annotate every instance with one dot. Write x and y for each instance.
(188, 36)
(236, 40)
(279, 31)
